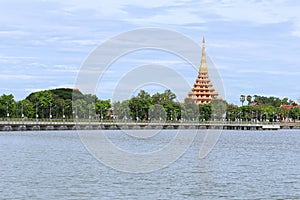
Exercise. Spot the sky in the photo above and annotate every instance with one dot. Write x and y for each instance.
(253, 44)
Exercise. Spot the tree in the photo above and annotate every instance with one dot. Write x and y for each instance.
(205, 112)
(167, 100)
(7, 103)
(218, 109)
(79, 108)
(121, 109)
(170, 96)
(255, 98)
(242, 99)
(102, 107)
(231, 112)
(294, 113)
(157, 113)
(190, 110)
(26, 109)
(268, 113)
(140, 105)
(249, 99)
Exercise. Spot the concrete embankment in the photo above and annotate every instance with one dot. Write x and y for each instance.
(36, 126)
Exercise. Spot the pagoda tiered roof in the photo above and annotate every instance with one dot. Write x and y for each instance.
(203, 91)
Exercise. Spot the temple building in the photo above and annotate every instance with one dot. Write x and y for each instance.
(203, 91)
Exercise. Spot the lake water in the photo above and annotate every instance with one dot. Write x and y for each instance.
(242, 165)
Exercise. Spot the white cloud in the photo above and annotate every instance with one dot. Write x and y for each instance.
(174, 16)
(251, 10)
(13, 77)
(258, 12)
(188, 11)
(296, 30)
(153, 61)
(15, 59)
(115, 6)
(272, 72)
(13, 33)
(58, 35)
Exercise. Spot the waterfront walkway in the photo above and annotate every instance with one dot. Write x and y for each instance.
(50, 125)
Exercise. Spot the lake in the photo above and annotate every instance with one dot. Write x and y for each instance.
(242, 165)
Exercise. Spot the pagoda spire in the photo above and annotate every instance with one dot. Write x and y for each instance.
(203, 68)
(203, 91)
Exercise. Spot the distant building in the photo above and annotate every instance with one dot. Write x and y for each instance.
(294, 105)
(203, 91)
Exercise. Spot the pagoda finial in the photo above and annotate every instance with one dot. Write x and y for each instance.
(203, 68)
(203, 91)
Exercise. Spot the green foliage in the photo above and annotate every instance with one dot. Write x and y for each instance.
(140, 105)
(63, 93)
(160, 106)
(102, 107)
(157, 113)
(271, 101)
(249, 99)
(242, 99)
(7, 104)
(190, 110)
(218, 109)
(294, 113)
(121, 110)
(44, 98)
(65, 103)
(205, 112)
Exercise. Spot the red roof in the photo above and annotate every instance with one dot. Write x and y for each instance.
(289, 106)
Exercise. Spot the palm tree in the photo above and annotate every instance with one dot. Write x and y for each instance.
(242, 99)
(255, 98)
(249, 98)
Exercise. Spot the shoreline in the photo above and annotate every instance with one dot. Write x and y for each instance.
(50, 125)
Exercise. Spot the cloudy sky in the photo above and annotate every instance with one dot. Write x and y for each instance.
(255, 45)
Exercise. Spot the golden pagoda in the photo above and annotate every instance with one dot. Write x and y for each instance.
(203, 91)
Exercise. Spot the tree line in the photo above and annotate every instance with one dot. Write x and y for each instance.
(69, 104)
(61, 103)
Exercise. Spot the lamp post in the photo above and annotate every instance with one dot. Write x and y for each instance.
(228, 117)
(112, 113)
(63, 111)
(23, 112)
(239, 117)
(101, 113)
(36, 111)
(125, 115)
(89, 114)
(76, 113)
(160, 115)
(7, 113)
(22, 116)
(266, 114)
(50, 114)
(256, 116)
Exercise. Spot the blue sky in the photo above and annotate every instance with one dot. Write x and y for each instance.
(255, 45)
